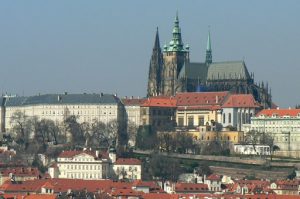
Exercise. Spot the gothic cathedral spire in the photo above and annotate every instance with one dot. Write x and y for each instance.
(208, 58)
(156, 62)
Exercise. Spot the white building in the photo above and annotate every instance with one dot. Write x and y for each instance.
(282, 124)
(87, 165)
(128, 168)
(249, 149)
(56, 107)
(238, 109)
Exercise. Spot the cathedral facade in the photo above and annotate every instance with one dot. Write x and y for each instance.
(171, 71)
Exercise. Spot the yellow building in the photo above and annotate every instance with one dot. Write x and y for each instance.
(199, 109)
(233, 137)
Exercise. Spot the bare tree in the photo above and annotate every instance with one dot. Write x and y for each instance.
(86, 130)
(73, 127)
(19, 124)
(131, 133)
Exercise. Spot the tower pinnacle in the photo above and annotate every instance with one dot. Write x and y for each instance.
(176, 44)
(156, 43)
(208, 58)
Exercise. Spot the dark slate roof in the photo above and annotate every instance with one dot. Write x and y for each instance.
(63, 99)
(15, 101)
(228, 70)
(194, 71)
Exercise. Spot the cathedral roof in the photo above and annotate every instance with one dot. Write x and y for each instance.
(196, 71)
(227, 70)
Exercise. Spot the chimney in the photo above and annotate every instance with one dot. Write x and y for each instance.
(217, 99)
(278, 108)
(97, 153)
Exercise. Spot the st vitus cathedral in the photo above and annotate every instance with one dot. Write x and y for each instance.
(171, 71)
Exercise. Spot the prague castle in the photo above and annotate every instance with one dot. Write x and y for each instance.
(171, 71)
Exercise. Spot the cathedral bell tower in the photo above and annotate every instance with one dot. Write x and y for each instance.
(175, 55)
(156, 62)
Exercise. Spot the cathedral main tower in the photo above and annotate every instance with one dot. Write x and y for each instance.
(175, 55)
(165, 66)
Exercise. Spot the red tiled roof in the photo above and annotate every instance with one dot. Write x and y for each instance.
(25, 196)
(240, 100)
(63, 185)
(126, 192)
(160, 101)
(200, 98)
(21, 171)
(190, 187)
(160, 196)
(128, 161)
(133, 102)
(279, 112)
(214, 177)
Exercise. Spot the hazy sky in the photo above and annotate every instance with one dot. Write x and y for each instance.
(105, 46)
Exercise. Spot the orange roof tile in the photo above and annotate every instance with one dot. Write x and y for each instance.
(160, 101)
(279, 112)
(191, 187)
(128, 161)
(20, 171)
(200, 98)
(71, 154)
(214, 177)
(240, 100)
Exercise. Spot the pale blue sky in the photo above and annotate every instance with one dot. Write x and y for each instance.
(105, 46)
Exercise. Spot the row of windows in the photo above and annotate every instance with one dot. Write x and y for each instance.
(90, 167)
(279, 122)
(84, 175)
(191, 121)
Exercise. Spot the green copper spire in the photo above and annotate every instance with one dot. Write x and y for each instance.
(208, 57)
(208, 46)
(176, 43)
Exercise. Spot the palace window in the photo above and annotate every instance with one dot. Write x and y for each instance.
(190, 121)
(180, 121)
(201, 121)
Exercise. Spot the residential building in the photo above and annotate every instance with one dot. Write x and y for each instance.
(213, 182)
(87, 164)
(283, 125)
(19, 174)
